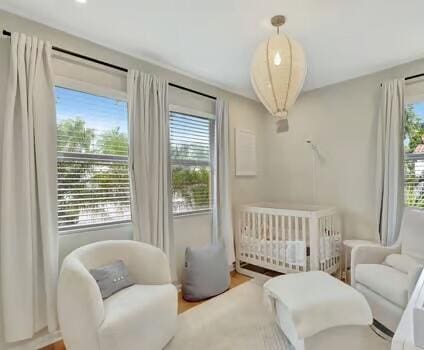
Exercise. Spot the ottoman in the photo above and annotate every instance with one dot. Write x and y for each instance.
(319, 312)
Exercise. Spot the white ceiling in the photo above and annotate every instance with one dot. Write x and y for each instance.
(214, 40)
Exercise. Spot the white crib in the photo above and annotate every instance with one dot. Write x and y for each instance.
(287, 238)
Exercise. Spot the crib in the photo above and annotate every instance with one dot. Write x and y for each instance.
(286, 238)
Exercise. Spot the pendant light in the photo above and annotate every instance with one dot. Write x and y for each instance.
(278, 72)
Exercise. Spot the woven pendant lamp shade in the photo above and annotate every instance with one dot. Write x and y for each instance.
(277, 73)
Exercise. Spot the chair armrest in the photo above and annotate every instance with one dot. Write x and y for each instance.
(368, 254)
(80, 306)
(413, 276)
(147, 264)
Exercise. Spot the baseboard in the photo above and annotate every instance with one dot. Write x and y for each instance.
(39, 341)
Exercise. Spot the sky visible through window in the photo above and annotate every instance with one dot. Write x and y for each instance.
(419, 110)
(99, 113)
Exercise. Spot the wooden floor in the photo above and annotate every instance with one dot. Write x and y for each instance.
(236, 279)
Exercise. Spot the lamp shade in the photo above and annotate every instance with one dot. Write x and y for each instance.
(277, 73)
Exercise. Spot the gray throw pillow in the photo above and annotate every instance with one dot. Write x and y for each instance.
(111, 278)
(206, 272)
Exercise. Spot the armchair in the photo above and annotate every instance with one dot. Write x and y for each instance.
(142, 316)
(386, 280)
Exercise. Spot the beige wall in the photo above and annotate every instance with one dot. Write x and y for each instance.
(244, 113)
(341, 120)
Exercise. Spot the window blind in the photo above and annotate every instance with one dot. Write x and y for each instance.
(92, 160)
(414, 180)
(192, 145)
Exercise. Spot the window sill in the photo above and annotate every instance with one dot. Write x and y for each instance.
(106, 227)
(193, 213)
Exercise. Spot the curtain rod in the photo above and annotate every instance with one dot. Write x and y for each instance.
(415, 76)
(122, 69)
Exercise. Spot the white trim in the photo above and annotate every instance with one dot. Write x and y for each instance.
(411, 99)
(414, 91)
(122, 226)
(208, 211)
(39, 341)
(61, 56)
(83, 86)
(190, 112)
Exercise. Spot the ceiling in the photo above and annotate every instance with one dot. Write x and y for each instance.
(214, 40)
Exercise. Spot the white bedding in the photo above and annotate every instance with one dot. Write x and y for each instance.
(289, 252)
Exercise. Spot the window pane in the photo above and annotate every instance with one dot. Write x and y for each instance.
(414, 155)
(191, 141)
(92, 140)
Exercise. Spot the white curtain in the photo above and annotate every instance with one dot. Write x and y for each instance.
(149, 160)
(390, 155)
(28, 207)
(222, 215)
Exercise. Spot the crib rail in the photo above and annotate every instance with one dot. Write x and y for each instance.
(289, 240)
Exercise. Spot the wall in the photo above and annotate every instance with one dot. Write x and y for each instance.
(244, 113)
(341, 120)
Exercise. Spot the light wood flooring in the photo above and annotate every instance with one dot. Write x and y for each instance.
(236, 279)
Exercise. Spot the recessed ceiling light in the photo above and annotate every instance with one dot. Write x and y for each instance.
(81, 1)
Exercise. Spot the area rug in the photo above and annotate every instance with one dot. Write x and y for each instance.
(238, 320)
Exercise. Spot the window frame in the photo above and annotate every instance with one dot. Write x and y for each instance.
(85, 87)
(173, 108)
(412, 98)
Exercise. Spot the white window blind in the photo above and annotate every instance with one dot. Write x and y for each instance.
(414, 180)
(92, 160)
(192, 145)
(414, 155)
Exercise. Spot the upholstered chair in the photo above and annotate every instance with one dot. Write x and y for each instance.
(386, 276)
(142, 316)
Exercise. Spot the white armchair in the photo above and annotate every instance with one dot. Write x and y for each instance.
(388, 284)
(142, 316)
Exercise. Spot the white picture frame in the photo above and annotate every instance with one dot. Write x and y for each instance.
(245, 152)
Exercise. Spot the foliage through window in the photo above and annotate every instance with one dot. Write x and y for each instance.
(414, 155)
(92, 160)
(192, 145)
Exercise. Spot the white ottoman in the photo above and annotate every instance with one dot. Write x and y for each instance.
(318, 312)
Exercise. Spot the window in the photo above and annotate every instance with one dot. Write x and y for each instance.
(192, 145)
(92, 160)
(414, 155)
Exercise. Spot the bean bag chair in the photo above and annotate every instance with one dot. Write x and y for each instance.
(206, 272)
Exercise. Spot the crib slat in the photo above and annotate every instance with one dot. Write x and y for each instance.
(253, 235)
(264, 236)
(243, 235)
(259, 236)
(323, 245)
(277, 238)
(290, 233)
(304, 240)
(333, 230)
(247, 234)
(284, 236)
(270, 243)
(296, 240)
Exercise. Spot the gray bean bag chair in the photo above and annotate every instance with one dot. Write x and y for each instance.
(206, 272)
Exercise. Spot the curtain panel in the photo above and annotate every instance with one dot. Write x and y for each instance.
(222, 212)
(28, 201)
(390, 158)
(149, 161)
